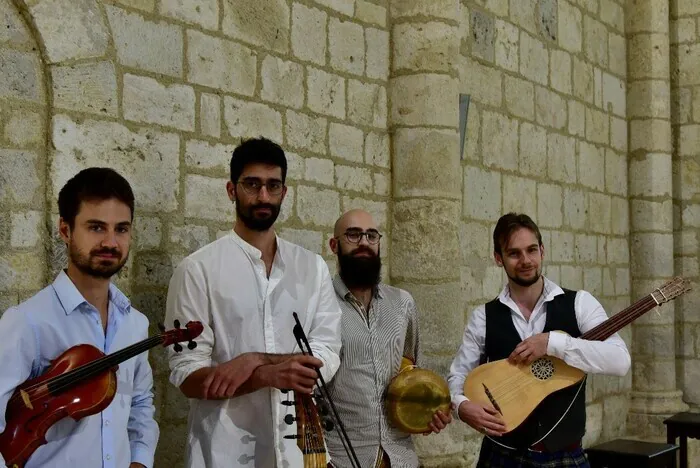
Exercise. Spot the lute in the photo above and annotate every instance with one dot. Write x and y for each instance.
(517, 390)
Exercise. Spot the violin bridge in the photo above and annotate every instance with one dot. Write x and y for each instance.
(26, 400)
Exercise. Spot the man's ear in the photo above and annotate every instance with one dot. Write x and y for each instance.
(499, 260)
(231, 190)
(333, 244)
(64, 230)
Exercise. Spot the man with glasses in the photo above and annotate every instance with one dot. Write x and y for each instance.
(379, 329)
(245, 288)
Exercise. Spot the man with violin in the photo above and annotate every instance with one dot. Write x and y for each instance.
(531, 318)
(245, 288)
(81, 306)
(379, 331)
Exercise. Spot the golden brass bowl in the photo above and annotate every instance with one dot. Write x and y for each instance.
(413, 396)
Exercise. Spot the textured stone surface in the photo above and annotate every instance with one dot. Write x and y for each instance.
(309, 33)
(246, 119)
(89, 87)
(202, 12)
(20, 75)
(263, 23)
(146, 100)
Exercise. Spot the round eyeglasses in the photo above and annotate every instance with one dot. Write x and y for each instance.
(253, 186)
(355, 237)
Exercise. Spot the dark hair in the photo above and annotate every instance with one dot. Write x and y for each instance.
(257, 150)
(94, 183)
(509, 223)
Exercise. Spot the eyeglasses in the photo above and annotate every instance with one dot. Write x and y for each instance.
(253, 186)
(355, 237)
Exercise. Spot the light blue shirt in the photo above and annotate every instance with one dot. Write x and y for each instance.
(43, 327)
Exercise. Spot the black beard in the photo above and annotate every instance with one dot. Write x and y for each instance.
(525, 283)
(247, 216)
(359, 272)
(96, 269)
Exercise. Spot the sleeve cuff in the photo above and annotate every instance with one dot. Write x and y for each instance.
(178, 375)
(556, 346)
(457, 400)
(140, 454)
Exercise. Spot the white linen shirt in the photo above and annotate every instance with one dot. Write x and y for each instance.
(225, 286)
(598, 357)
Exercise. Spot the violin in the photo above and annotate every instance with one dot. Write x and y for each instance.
(81, 382)
(309, 433)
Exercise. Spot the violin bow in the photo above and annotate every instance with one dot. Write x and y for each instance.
(304, 343)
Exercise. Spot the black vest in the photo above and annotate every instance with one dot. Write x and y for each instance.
(501, 340)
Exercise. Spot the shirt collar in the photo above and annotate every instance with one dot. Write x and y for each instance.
(71, 299)
(342, 290)
(254, 251)
(549, 291)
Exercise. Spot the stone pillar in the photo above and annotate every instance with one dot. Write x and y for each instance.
(654, 390)
(424, 116)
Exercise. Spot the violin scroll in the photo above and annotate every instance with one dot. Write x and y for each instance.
(177, 335)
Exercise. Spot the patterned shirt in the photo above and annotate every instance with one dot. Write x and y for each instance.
(374, 342)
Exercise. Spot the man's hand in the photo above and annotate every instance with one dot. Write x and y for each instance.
(482, 418)
(530, 350)
(439, 422)
(297, 373)
(136, 465)
(225, 378)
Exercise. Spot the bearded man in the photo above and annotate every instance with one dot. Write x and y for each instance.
(244, 288)
(379, 330)
(83, 306)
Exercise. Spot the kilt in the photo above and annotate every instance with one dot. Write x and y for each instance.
(494, 456)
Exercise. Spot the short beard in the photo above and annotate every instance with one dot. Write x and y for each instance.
(523, 282)
(359, 272)
(247, 216)
(97, 269)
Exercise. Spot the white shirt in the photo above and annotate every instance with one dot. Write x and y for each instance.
(224, 285)
(597, 357)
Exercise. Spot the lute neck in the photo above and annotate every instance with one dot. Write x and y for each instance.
(621, 319)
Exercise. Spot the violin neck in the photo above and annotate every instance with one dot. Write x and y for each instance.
(79, 374)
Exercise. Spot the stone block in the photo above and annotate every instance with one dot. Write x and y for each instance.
(246, 119)
(690, 373)
(682, 100)
(597, 126)
(649, 98)
(310, 240)
(356, 179)
(475, 242)
(153, 268)
(614, 95)
(370, 13)
(71, 29)
(656, 375)
(600, 210)
(19, 177)
(377, 149)
(264, 23)
(591, 160)
(482, 83)
(443, 9)
(341, 6)
(618, 133)
(687, 266)
(287, 210)
(602, 254)
(570, 27)
(686, 242)
(450, 441)
(650, 135)
(520, 97)
(381, 184)
(583, 80)
(689, 171)
(204, 13)
(594, 424)
(377, 58)
(585, 248)
(617, 54)
(499, 136)
(548, 19)
(654, 254)
(534, 59)
(689, 139)
(561, 158)
(549, 205)
(25, 128)
(8, 300)
(560, 70)
(367, 103)
(208, 156)
(206, 198)
(145, 5)
(593, 280)
(146, 100)
(550, 108)
(522, 13)
(482, 35)
(21, 270)
(682, 30)
(622, 280)
(575, 208)
(220, 64)
(317, 207)
(597, 87)
(26, 229)
(425, 163)
(147, 45)
(189, 237)
(137, 155)
(615, 410)
(148, 232)
(649, 16)
(309, 33)
(507, 45)
(646, 57)
(326, 92)
(415, 220)
(533, 149)
(519, 195)
(423, 99)
(613, 14)
(345, 142)
(378, 210)
(472, 145)
(282, 82)
(651, 215)
(21, 76)
(319, 170)
(306, 132)
(89, 87)
(618, 251)
(12, 28)
(430, 46)
(571, 277)
(577, 119)
(346, 45)
(691, 215)
(210, 114)
(615, 173)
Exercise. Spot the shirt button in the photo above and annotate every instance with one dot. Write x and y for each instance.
(108, 457)
(107, 422)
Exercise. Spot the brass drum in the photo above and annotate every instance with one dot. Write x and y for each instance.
(413, 396)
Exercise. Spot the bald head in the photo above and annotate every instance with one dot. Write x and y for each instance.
(356, 218)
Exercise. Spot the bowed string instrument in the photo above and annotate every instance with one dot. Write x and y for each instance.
(313, 416)
(81, 382)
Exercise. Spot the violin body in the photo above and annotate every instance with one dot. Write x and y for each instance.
(34, 407)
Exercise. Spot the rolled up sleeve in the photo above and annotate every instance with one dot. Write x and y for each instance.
(324, 334)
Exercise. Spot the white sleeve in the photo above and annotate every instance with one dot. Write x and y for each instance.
(468, 355)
